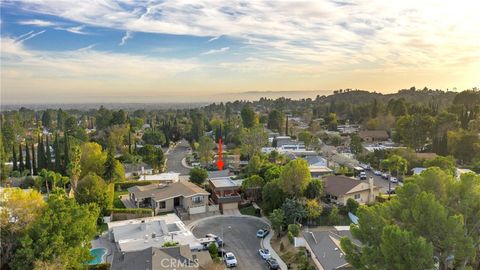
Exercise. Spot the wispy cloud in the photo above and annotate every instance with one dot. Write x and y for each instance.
(28, 36)
(213, 38)
(74, 29)
(37, 22)
(128, 35)
(216, 51)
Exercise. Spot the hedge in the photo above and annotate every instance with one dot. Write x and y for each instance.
(128, 184)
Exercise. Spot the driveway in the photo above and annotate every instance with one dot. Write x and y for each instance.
(239, 234)
(175, 156)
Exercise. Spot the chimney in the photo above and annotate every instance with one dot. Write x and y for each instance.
(371, 195)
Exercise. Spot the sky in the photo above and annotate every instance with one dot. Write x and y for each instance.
(55, 51)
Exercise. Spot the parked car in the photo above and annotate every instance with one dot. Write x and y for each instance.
(230, 259)
(264, 253)
(385, 175)
(217, 239)
(262, 233)
(393, 179)
(378, 173)
(363, 176)
(272, 264)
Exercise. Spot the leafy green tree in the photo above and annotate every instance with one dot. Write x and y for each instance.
(433, 206)
(41, 157)
(62, 233)
(277, 219)
(445, 163)
(414, 130)
(48, 155)
(294, 229)
(154, 137)
(254, 183)
(314, 189)
(272, 196)
(249, 118)
(205, 149)
(198, 126)
(306, 137)
(34, 160)
(275, 120)
(152, 156)
(47, 119)
(92, 159)
(198, 175)
(463, 145)
(313, 209)
(93, 189)
(294, 211)
(254, 165)
(295, 177)
(213, 250)
(26, 207)
(66, 152)
(252, 140)
(356, 144)
(272, 173)
(58, 161)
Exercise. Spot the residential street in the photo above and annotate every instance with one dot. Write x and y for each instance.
(175, 156)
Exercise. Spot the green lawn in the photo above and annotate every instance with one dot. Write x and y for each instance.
(117, 203)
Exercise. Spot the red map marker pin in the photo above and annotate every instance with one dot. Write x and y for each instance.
(220, 162)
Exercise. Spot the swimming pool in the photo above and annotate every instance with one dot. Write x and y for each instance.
(99, 254)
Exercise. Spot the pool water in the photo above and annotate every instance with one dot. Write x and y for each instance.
(98, 253)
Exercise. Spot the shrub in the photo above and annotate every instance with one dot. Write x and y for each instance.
(170, 244)
(198, 175)
(28, 182)
(291, 237)
(294, 229)
(213, 250)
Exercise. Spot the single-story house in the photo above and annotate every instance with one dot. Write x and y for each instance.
(225, 192)
(169, 258)
(168, 177)
(141, 233)
(340, 188)
(316, 160)
(373, 135)
(182, 197)
(324, 245)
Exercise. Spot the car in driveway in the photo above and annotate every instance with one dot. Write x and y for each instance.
(393, 179)
(377, 173)
(264, 253)
(230, 259)
(385, 175)
(272, 264)
(219, 240)
(363, 176)
(261, 233)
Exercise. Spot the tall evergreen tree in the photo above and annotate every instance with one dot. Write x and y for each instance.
(109, 171)
(58, 161)
(14, 158)
(286, 125)
(66, 154)
(40, 154)
(21, 165)
(34, 160)
(28, 160)
(130, 142)
(48, 155)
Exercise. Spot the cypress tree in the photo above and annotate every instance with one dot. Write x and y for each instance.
(58, 163)
(28, 160)
(130, 142)
(21, 165)
(34, 160)
(286, 126)
(14, 158)
(66, 154)
(40, 153)
(48, 155)
(109, 166)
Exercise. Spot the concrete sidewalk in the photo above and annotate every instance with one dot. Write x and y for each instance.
(266, 244)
